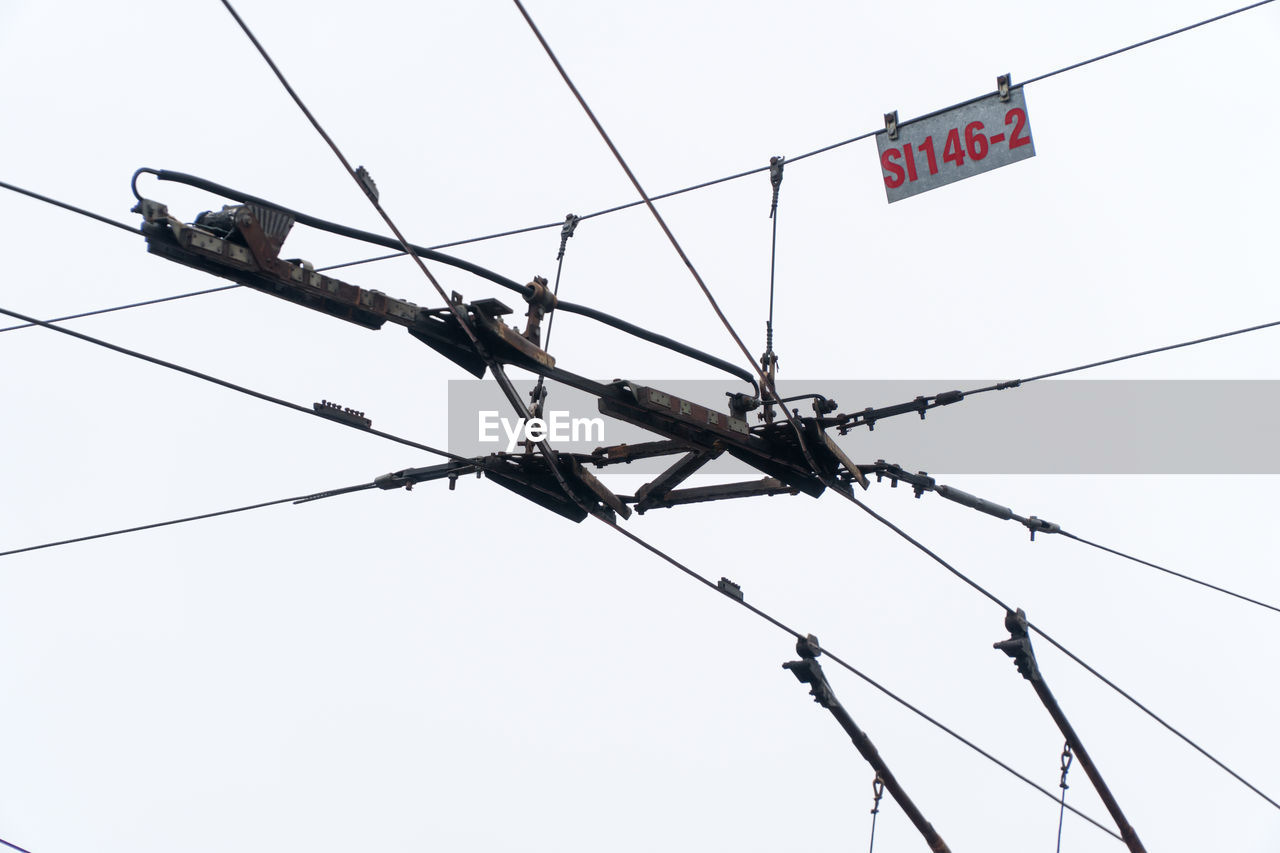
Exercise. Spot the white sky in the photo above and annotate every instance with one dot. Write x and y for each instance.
(465, 671)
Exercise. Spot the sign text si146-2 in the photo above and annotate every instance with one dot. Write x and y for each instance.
(950, 146)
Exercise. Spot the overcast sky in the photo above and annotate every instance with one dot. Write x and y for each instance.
(462, 670)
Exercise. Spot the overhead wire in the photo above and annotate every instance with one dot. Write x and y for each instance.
(1057, 645)
(1016, 383)
(122, 307)
(121, 531)
(13, 846)
(223, 382)
(1168, 571)
(834, 145)
(71, 207)
(766, 383)
(782, 626)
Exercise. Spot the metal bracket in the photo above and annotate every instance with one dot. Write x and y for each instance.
(891, 124)
(1004, 83)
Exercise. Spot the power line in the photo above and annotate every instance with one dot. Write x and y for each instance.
(1220, 589)
(71, 207)
(766, 382)
(122, 307)
(867, 135)
(845, 665)
(1015, 383)
(13, 846)
(980, 589)
(222, 382)
(295, 499)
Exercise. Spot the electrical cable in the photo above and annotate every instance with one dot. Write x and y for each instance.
(430, 254)
(13, 846)
(224, 383)
(294, 499)
(850, 668)
(1095, 673)
(1016, 383)
(122, 307)
(766, 383)
(1081, 539)
(71, 207)
(869, 134)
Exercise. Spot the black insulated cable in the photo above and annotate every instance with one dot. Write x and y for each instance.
(224, 383)
(449, 260)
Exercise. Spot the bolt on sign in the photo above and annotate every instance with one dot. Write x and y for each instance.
(949, 146)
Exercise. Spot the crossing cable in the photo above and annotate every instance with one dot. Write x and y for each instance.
(13, 846)
(1223, 590)
(122, 307)
(224, 383)
(921, 483)
(71, 207)
(365, 182)
(849, 667)
(766, 383)
(295, 499)
(869, 134)
(1095, 673)
(1017, 383)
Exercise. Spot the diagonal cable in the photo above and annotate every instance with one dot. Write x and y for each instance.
(122, 307)
(832, 146)
(849, 667)
(294, 499)
(1040, 631)
(224, 383)
(1222, 590)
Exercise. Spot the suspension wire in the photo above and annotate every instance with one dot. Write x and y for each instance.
(224, 383)
(539, 394)
(1041, 632)
(824, 149)
(296, 499)
(1145, 42)
(851, 669)
(1223, 590)
(71, 207)
(1016, 383)
(766, 383)
(769, 361)
(1066, 765)
(13, 846)
(877, 791)
(122, 307)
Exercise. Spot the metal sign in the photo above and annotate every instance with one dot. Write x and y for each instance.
(949, 146)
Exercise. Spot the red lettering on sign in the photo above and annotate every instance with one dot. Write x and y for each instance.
(975, 140)
(1017, 114)
(896, 176)
(910, 156)
(927, 148)
(953, 151)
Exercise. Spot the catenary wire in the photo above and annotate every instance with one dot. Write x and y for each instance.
(1015, 383)
(294, 499)
(71, 207)
(122, 307)
(847, 666)
(13, 846)
(766, 384)
(1084, 541)
(867, 135)
(1049, 639)
(224, 383)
